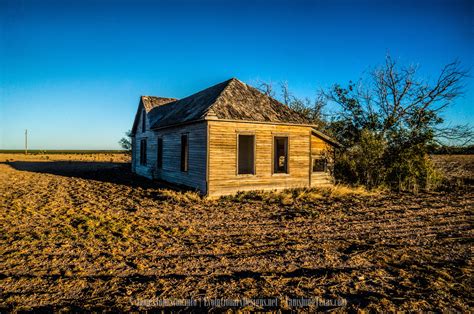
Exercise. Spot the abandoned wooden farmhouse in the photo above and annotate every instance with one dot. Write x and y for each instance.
(227, 138)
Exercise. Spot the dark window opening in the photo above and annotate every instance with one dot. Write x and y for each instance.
(280, 163)
(246, 154)
(143, 121)
(159, 156)
(184, 152)
(143, 152)
(320, 165)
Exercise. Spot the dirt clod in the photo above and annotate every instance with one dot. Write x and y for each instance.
(82, 236)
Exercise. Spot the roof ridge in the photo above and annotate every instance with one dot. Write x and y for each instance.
(234, 82)
(158, 97)
(195, 105)
(230, 99)
(219, 96)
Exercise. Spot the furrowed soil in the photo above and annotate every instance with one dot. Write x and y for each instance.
(82, 233)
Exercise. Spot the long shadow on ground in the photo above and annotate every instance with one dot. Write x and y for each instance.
(113, 172)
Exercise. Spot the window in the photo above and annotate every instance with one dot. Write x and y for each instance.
(143, 152)
(246, 154)
(320, 164)
(184, 152)
(280, 153)
(143, 121)
(159, 156)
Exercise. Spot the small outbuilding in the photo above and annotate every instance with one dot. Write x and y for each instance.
(228, 138)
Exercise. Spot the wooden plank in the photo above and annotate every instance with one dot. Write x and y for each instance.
(223, 151)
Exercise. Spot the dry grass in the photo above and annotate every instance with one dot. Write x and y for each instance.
(305, 195)
(88, 235)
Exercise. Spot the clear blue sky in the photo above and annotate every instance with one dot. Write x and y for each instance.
(72, 71)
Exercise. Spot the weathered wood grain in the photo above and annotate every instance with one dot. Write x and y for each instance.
(223, 177)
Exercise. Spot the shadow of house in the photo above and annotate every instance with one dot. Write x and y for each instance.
(117, 173)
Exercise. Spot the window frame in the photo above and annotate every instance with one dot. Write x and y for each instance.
(325, 164)
(143, 152)
(287, 155)
(159, 153)
(184, 160)
(254, 168)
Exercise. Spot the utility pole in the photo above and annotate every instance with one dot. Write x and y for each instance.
(26, 142)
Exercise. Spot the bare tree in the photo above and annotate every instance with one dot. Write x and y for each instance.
(395, 98)
(459, 135)
(312, 109)
(286, 95)
(266, 88)
(397, 114)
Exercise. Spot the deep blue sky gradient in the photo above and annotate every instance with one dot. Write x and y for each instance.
(72, 71)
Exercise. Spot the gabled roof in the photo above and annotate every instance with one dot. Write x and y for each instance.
(239, 101)
(229, 100)
(191, 108)
(148, 103)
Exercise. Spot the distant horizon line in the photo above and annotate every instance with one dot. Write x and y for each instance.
(64, 150)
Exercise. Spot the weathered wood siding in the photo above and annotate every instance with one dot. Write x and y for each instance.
(221, 156)
(133, 154)
(318, 146)
(195, 177)
(144, 170)
(321, 148)
(223, 177)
